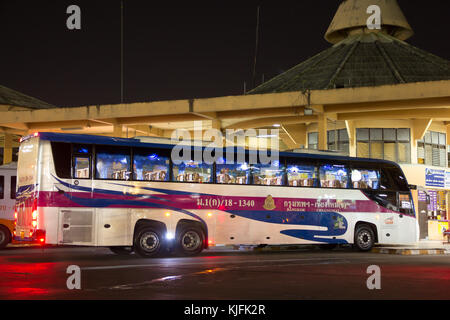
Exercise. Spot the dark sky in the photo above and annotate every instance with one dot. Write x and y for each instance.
(173, 50)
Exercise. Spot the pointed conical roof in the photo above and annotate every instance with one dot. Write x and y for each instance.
(351, 17)
(14, 98)
(362, 58)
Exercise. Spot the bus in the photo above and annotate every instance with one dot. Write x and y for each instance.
(129, 195)
(7, 201)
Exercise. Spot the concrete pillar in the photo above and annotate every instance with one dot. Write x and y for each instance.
(418, 129)
(118, 131)
(7, 150)
(351, 131)
(322, 126)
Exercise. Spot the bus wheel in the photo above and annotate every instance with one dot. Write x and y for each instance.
(148, 242)
(190, 241)
(364, 238)
(122, 251)
(5, 237)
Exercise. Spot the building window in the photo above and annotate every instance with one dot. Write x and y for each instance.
(13, 187)
(388, 144)
(313, 140)
(431, 150)
(338, 140)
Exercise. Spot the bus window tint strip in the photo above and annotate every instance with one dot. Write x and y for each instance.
(233, 173)
(192, 171)
(150, 166)
(301, 175)
(365, 179)
(113, 163)
(333, 176)
(268, 174)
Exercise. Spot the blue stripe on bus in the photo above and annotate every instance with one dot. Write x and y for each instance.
(335, 223)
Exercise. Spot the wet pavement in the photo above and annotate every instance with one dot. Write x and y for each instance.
(41, 273)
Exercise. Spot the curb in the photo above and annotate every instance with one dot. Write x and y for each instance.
(409, 252)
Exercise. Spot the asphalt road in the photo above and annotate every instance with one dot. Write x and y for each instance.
(35, 273)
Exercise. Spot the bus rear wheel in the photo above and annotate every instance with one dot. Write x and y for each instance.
(5, 237)
(148, 242)
(190, 241)
(364, 238)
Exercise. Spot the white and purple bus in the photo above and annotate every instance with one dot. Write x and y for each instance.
(128, 194)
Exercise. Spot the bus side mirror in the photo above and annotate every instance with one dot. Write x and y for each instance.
(412, 186)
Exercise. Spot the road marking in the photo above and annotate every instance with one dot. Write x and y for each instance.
(174, 264)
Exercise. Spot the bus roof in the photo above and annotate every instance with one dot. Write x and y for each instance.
(133, 142)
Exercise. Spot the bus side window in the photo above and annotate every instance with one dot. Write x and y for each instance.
(81, 167)
(301, 175)
(405, 203)
(393, 179)
(236, 173)
(150, 165)
(365, 179)
(2, 187)
(81, 161)
(62, 154)
(268, 174)
(13, 187)
(192, 171)
(333, 176)
(113, 163)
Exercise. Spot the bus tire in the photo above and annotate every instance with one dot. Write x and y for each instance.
(190, 241)
(148, 242)
(122, 251)
(364, 238)
(5, 236)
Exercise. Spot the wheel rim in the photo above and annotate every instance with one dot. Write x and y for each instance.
(364, 239)
(191, 241)
(149, 241)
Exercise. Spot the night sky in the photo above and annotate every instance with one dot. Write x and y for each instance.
(173, 50)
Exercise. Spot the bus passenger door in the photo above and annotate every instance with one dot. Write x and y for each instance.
(388, 221)
(407, 219)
